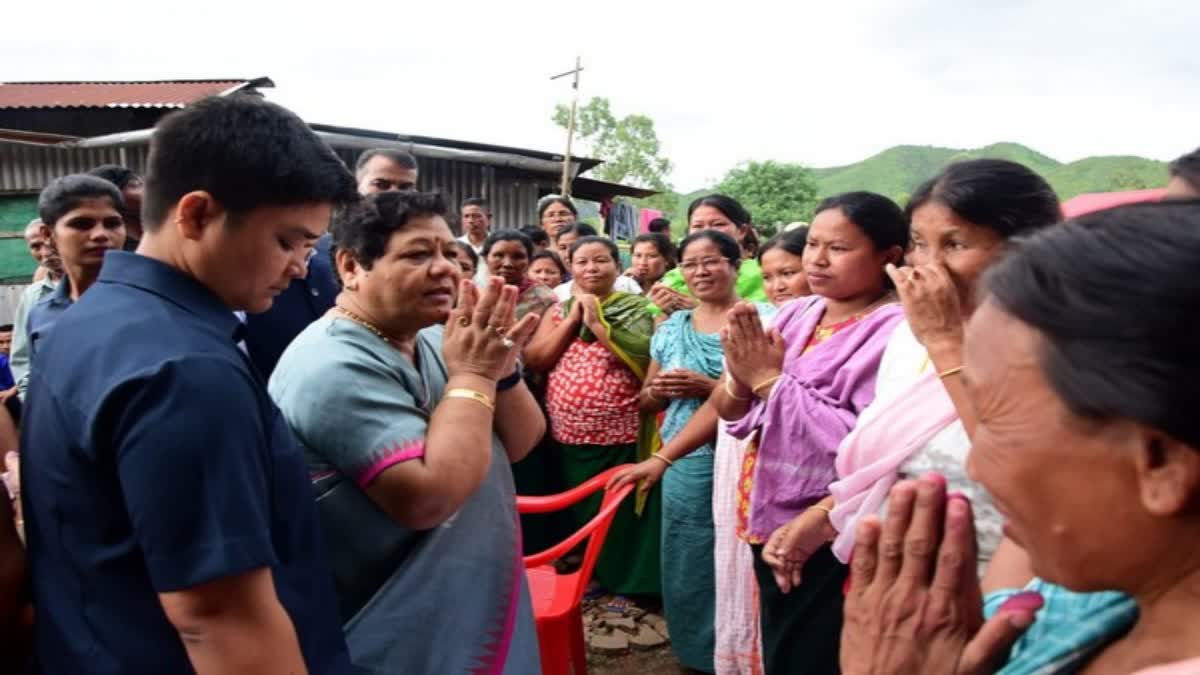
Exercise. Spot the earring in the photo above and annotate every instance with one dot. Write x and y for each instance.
(352, 287)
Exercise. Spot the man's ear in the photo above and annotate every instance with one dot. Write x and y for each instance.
(197, 211)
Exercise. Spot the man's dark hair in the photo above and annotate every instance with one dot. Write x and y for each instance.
(66, 193)
(477, 201)
(117, 175)
(398, 157)
(6, 328)
(246, 153)
(1187, 168)
(660, 226)
(364, 228)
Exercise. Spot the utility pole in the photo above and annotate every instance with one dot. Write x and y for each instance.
(566, 171)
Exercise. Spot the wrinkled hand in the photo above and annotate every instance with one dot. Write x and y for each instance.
(915, 606)
(931, 304)
(477, 347)
(681, 383)
(789, 547)
(645, 474)
(752, 356)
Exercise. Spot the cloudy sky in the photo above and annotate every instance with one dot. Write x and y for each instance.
(816, 83)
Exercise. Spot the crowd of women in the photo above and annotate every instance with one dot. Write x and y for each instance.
(951, 437)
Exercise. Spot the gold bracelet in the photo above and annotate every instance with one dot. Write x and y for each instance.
(652, 397)
(828, 511)
(729, 390)
(471, 394)
(950, 371)
(658, 456)
(765, 383)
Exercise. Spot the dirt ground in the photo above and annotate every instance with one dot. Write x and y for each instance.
(656, 662)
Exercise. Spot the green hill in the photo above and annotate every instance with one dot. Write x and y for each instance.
(897, 171)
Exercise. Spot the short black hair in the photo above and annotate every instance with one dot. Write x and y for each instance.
(6, 328)
(469, 251)
(1004, 196)
(536, 235)
(246, 153)
(477, 201)
(661, 242)
(66, 193)
(545, 202)
(727, 205)
(398, 157)
(659, 226)
(581, 229)
(1079, 284)
(1187, 168)
(552, 257)
(593, 239)
(792, 242)
(727, 245)
(365, 227)
(508, 235)
(117, 175)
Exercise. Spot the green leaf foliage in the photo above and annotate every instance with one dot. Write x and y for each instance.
(629, 146)
(775, 193)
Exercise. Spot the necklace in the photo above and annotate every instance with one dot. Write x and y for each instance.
(825, 331)
(366, 324)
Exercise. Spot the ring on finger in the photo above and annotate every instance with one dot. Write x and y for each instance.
(464, 321)
(507, 342)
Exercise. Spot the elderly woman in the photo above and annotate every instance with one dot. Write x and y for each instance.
(596, 348)
(962, 222)
(1077, 406)
(797, 391)
(409, 428)
(555, 211)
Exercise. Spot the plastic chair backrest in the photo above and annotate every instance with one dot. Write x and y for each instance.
(594, 530)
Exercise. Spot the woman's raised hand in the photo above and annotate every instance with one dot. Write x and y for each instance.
(752, 355)
(482, 336)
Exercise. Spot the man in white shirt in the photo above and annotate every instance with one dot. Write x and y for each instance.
(476, 216)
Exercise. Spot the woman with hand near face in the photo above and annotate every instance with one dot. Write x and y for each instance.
(1086, 438)
(596, 348)
(796, 391)
(963, 221)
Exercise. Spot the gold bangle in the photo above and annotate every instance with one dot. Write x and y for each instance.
(658, 456)
(652, 397)
(765, 383)
(828, 511)
(729, 390)
(950, 371)
(471, 394)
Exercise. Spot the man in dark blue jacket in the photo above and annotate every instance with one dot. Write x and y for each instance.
(307, 299)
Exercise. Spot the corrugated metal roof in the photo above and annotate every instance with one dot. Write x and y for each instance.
(159, 94)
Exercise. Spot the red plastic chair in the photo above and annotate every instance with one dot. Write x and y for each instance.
(558, 598)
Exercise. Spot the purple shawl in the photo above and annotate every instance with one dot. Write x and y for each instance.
(811, 409)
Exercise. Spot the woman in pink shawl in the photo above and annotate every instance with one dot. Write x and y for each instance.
(797, 391)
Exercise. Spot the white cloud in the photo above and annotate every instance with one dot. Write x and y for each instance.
(821, 84)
